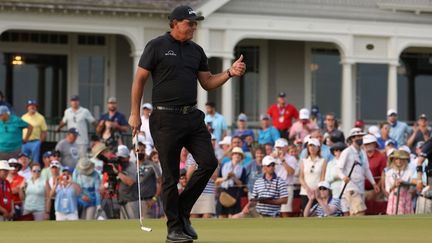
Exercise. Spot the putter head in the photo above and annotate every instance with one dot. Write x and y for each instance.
(146, 229)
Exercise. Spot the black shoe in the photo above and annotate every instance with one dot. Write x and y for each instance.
(188, 230)
(178, 237)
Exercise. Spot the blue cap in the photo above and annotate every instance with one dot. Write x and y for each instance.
(47, 154)
(67, 168)
(31, 102)
(242, 117)
(74, 97)
(315, 110)
(74, 131)
(4, 109)
(391, 141)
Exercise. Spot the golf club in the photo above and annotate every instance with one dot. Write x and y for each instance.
(349, 176)
(135, 142)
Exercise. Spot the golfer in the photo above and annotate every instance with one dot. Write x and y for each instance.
(175, 64)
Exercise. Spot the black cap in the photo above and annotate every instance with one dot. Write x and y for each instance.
(74, 97)
(184, 12)
(282, 94)
(338, 146)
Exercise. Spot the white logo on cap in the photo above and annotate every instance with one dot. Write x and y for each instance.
(170, 53)
(191, 12)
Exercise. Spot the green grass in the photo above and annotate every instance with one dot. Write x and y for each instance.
(362, 229)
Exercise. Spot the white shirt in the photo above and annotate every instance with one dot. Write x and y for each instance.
(80, 120)
(360, 172)
(392, 175)
(145, 127)
(312, 170)
(282, 172)
(25, 173)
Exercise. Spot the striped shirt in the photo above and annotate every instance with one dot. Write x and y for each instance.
(272, 189)
(318, 211)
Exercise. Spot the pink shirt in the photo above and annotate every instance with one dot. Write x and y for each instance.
(298, 132)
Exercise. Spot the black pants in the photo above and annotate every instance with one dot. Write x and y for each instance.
(171, 131)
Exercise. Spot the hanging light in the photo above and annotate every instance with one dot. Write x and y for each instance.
(17, 60)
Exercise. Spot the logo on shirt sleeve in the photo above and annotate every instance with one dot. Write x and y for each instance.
(170, 53)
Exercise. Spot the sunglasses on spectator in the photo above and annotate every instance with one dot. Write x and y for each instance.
(36, 171)
(321, 188)
(271, 165)
(312, 169)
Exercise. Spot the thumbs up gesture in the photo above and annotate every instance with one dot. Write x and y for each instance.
(238, 68)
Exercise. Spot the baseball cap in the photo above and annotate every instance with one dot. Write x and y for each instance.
(420, 144)
(391, 112)
(281, 94)
(374, 130)
(339, 146)
(184, 12)
(112, 100)
(324, 184)
(369, 138)
(68, 169)
(74, 97)
(314, 141)
(55, 163)
(141, 139)
(315, 110)
(147, 106)
(359, 123)
(264, 117)
(31, 102)
(74, 131)
(304, 114)
(390, 141)
(281, 142)
(47, 154)
(306, 139)
(242, 117)
(422, 116)
(226, 140)
(4, 109)
(268, 160)
(122, 151)
(4, 165)
(23, 154)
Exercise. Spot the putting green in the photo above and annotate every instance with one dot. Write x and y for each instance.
(361, 229)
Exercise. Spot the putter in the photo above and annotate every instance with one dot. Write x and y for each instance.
(349, 176)
(143, 228)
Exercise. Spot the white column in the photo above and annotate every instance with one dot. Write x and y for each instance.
(227, 94)
(348, 98)
(136, 55)
(392, 98)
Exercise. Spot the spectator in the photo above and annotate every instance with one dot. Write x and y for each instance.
(66, 196)
(38, 134)
(3, 102)
(423, 182)
(111, 125)
(17, 184)
(331, 129)
(268, 134)
(285, 168)
(389, 146)
(269, 191)
(127, 192)
(255, 170)
(25, 171)
(237, 142)
(6, 195)
(384, 134)
(183, 157)
(317, 117)
(215, 121)
(69, 149)
(232, 178)
(331, 171)
(154, 157)
(181, 185)
(397, 184)
(354, 191)
(421, 132)
(46, 161)
(312, 171)
(11, 138)
(398, 130)
(374, 130)
(55, 168)
(325, 150)
(326, 205)
(35, 195)
(150, 180)
(282, 115)
(302, 127)
(246, 135)
(219, 153)
(79, 118)
(226, 147)
(88, 180)
(147, 109)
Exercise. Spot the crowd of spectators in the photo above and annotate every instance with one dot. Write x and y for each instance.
(298, 163)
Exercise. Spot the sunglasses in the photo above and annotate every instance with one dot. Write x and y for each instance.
(36, 171)
(312, 169)
(321, 188)
(271, 165)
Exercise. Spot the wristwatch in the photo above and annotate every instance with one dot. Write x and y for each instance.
(154, 198)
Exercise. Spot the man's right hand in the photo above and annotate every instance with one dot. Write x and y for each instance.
(135, 124)
(346, 179)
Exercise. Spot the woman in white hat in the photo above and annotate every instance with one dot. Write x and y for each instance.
(89, 181)
(54, 168)
(312, 171)
(326, 204)
(232, 179)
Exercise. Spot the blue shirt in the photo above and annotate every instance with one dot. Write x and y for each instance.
(217, 123)
(243, 134)
(118, 117)
(11, 134)
(270, 135)
(66, 200)
(399, 132)
(89, 187)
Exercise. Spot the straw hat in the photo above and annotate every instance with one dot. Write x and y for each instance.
(85, 166)
(98, 148)
(238, 150)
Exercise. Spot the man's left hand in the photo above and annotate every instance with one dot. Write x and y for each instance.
(238, 68)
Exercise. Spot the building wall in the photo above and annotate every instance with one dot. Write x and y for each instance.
(124, 76)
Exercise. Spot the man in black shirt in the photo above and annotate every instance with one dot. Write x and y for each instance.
(176, 63)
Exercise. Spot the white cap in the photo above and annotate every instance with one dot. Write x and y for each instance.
(226, 140)
(306, 139)
(122, 151)
(4, 165)
(13, 161)
(55, 163)
(390, 151)
(141, 138)
(369, 138)
(374, 130)
(405, 148)
(324, 184)
(314, 141)
(268, 160)
(242, 117)
(304, 114)
(147, 106)
(391, 111)
(213, 137)
(281, 142)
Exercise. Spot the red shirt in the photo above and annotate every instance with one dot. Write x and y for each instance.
(16, 182)
(282, 116)
(5, 195)
(377, 163)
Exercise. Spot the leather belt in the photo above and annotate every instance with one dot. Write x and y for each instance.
(178, 109)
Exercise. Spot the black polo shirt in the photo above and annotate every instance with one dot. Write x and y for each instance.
(174, 67)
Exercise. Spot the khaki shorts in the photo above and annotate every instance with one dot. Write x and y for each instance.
(355, 201)
(206, 204)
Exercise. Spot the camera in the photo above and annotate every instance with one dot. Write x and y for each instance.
(108, 168)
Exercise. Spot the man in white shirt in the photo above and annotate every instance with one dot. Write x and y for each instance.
(355, 157)
(78, 117)
(147, 108)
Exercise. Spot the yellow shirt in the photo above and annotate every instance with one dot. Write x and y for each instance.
(37, 121)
